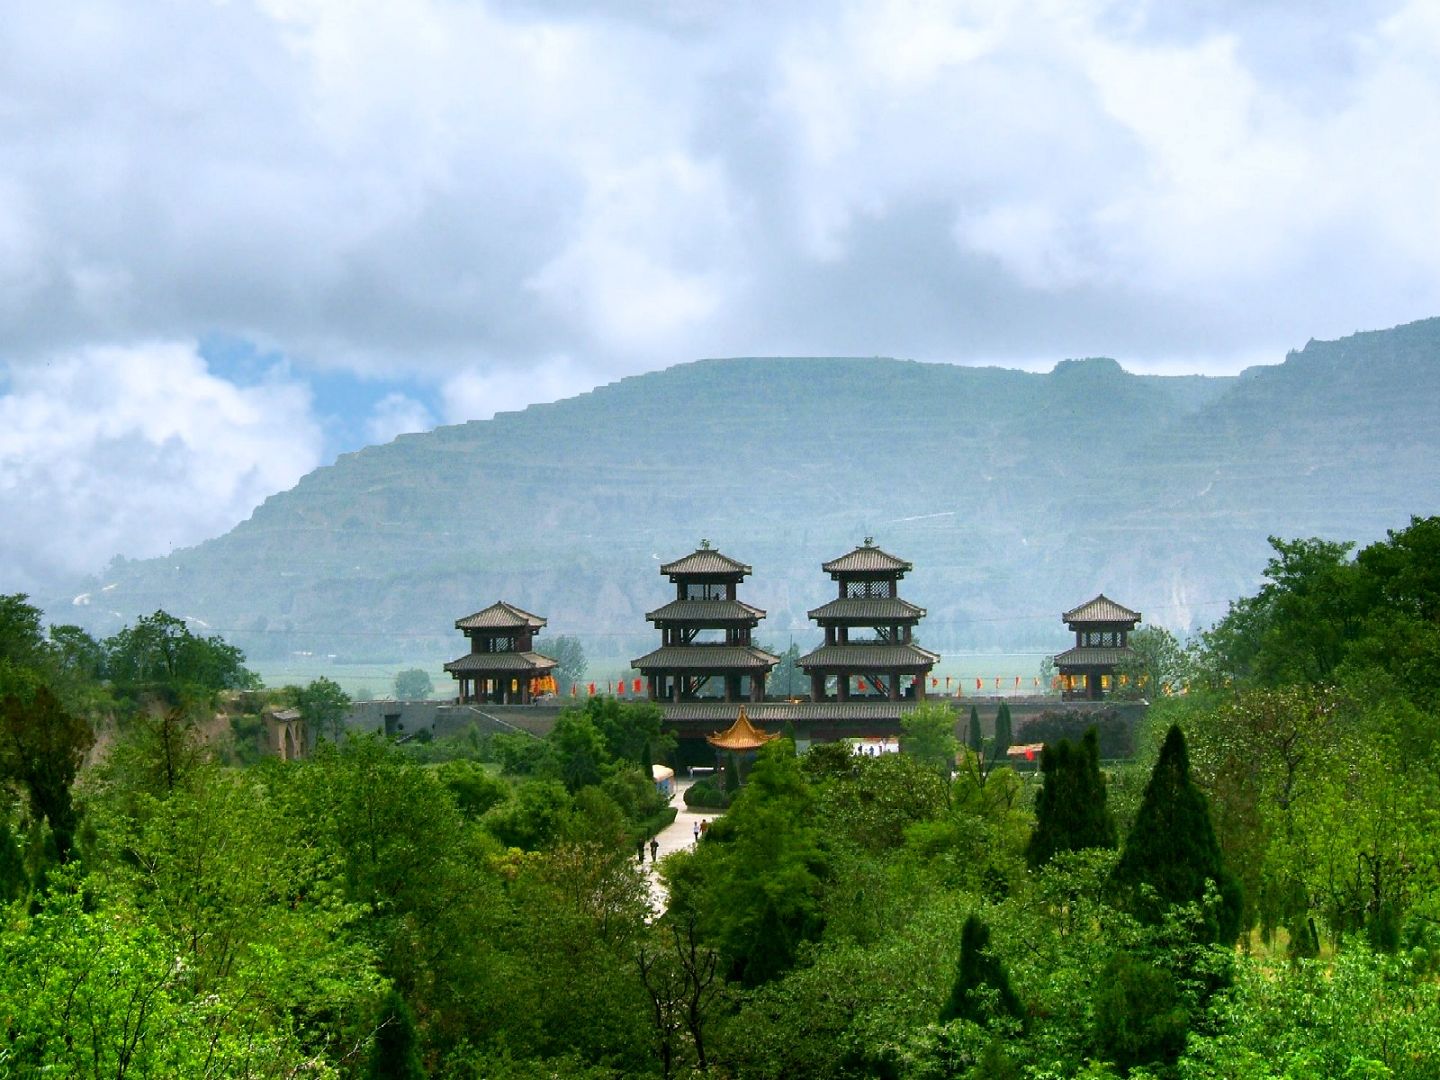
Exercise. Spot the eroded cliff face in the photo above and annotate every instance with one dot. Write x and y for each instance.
(1014, 494)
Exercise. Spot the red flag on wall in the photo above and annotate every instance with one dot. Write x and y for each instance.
(934, 682)
(979, 685)
(620, 689)
(861, 684)
(592, 689)
(1017, 682)
(635, 688)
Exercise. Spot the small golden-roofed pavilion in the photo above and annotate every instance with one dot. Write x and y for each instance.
(740, 736)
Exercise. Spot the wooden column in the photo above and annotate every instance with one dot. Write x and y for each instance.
(817, 687)
(676, 687)
(757, 686)
(654, 688)
(920, 681)
(894, 693)
(842, 688)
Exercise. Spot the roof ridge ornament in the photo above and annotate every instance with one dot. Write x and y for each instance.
(869, 542)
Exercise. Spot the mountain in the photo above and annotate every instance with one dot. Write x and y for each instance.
(1016, 495)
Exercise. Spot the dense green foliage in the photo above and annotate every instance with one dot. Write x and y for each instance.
(474, 908)
(1071, 813)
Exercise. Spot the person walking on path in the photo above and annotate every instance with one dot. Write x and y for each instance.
(654, 849)
(697, 832)
(640, 852)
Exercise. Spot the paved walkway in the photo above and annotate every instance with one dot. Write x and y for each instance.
(678, 836)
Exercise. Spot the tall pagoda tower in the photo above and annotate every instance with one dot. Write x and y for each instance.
(1102, 642)
(705, 633)
(868, 600)
(501, 667)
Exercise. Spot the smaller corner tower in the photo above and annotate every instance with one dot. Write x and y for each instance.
(501, 667)
(1102, 643)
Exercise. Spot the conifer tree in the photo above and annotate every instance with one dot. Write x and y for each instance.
(1002, 732)
(982, 989)
(396, 1052)
(1172, 847)
(975, 741)
(1070, 810)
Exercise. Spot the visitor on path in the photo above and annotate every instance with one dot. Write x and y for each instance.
(654, 849)
(697, 832)
(640, 852)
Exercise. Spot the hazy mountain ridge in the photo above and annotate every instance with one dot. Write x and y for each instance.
(1015, 494)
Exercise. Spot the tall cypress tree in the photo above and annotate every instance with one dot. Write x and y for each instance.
(982, 989)
(1070, 809)
(1002, 732)
(395, 1054)
(1172, 847)
(975, 740)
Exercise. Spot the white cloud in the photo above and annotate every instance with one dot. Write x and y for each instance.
(137, 451)
(458, 194)
(397, 414)
(479, 393)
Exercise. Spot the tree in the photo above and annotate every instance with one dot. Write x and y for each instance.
(927, 733)
(628, 729)
(1003, 734)
(786, 679)
(1157, 665)
(395, 1054)
(982, 989)
(324, 706)
(159, 656)
(1172, 849)
(756, 883)
(580, 750)
(413, 684)
(42, 746)
(976, 741)
(22, 642)
(569, 659)
(1070, 810)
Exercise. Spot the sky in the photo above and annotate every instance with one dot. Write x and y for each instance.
(240, 237)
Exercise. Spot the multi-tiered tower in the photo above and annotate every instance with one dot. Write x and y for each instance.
(886, 660)
(705, 633)
(1102, 643)
(500, 667)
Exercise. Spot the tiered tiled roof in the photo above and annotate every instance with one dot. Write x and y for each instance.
(867, 610)
(485, 663)
(1101, 610)
(705, 560)
(706, 612)
(867, 558)
(500, 616)
(862, 658)
(706, 658)
(1092, 656)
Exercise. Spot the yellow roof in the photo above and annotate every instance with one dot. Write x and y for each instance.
(741, 735)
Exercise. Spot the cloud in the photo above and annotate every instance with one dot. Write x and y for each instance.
(396, 414)
(407, 191)
(137, 451)
(487, 204)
